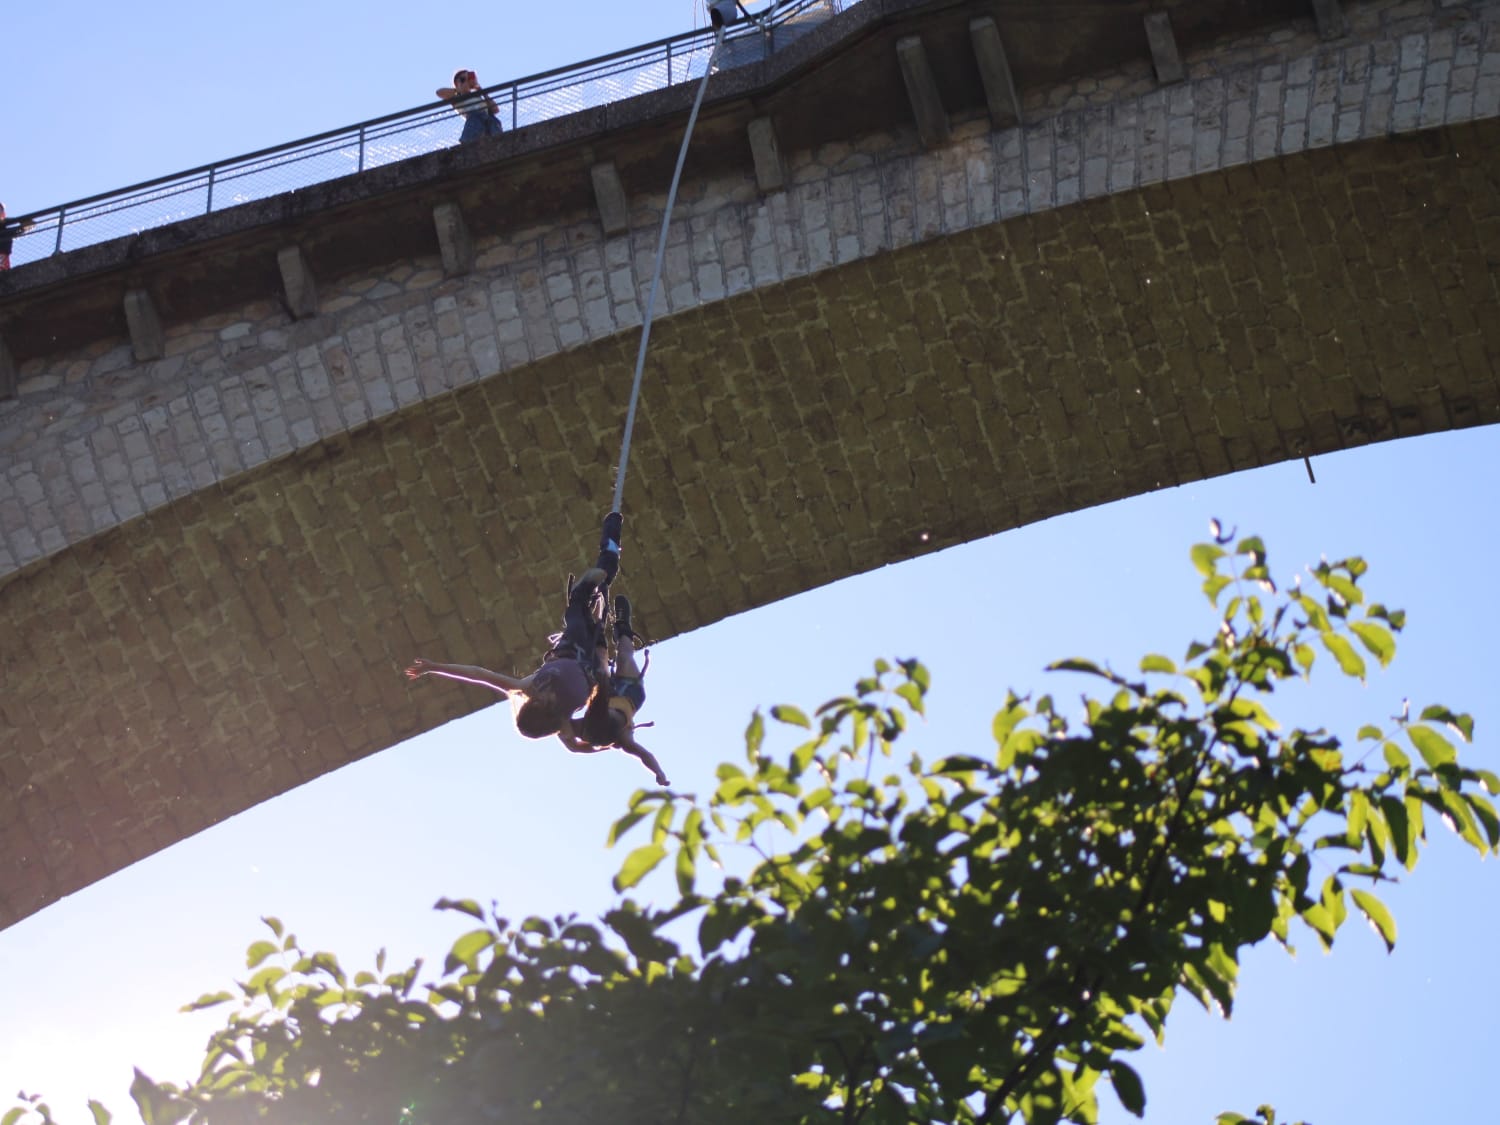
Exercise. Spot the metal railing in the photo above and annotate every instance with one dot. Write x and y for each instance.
(412, 132)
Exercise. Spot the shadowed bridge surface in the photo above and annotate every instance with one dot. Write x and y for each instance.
(240, 641)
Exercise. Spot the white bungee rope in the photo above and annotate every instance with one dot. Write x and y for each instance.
(661, 253)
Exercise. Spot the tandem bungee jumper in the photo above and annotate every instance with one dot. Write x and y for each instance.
(577, 670)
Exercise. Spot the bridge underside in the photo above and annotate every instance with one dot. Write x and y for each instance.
(218, 652)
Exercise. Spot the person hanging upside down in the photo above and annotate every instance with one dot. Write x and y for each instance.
(577, 660)
(609, 719)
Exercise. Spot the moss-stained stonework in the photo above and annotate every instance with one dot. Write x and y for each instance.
(249, 637)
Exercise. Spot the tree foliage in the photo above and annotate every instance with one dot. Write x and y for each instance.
(983, 938)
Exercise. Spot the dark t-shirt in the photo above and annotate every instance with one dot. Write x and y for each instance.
(565, 679)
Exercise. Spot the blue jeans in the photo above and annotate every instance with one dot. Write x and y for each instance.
(478, 125)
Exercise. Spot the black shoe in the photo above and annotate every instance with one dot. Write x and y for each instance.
(622, 619)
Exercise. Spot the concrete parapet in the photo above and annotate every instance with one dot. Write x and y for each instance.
(995, 73)
(770, 170)
(1165, 56)
(454, 243)
(297, 282)
(921, 89)
(146, 339)
(609, 197)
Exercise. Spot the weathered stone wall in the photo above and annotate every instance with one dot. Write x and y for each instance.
(240, 641)
(900, 352)
(95, 439)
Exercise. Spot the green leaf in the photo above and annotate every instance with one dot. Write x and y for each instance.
(102, 1116)
(276, 927)
(1128, 1088)
(792, 716)
(638, 864)
(467, 948)
(687, 870)
(1205, 557)
(1436, 750)
(1341, 650)
(1464, 724)
(625, 824)
(207, 1000)
(1074, 664)
(1369, 730)
(156, 1106)
(465, 905)
(258, 952)
(1376, 638)
(1379, 917)
(1231, 1119)
(1155, 662)
(755, 734)
(12, 1116)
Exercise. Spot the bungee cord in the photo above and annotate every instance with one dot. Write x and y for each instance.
(661, 253)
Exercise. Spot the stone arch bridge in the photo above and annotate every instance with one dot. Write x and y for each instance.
(939, 270)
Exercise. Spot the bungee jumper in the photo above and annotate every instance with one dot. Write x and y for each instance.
(576, 671)
(576, 668)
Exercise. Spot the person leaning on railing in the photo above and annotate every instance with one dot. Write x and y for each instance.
(8, 232)
(481, 115)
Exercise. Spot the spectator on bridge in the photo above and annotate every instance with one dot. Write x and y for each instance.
(8, 232)
(576, 662)
(609, 719)
(481, 115)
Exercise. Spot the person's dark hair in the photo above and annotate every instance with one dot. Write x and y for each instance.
(600, 725)
(537, 718)
(459, 73)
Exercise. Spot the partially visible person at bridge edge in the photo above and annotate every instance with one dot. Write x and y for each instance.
(8, 232)
(609, 719)
(577, 660)
(481, 115)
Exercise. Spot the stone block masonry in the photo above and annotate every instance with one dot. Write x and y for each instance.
(221, 559)
(97, 438)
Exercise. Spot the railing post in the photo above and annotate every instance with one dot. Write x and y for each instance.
(515, 107)
(669, 64)
(61, 213)
(211, 172)
(361, 167)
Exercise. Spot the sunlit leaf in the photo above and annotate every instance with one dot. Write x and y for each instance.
(1154, 662)
(792, 716)
(1379, 916)
(207, 1000)
(467, 948)
(638, 864)
(1436, 750)
(1338, 646)
(755, 734)
(1464, 724)
(465, 905)
(1205, 557)
(258, 952)
(1376, 638)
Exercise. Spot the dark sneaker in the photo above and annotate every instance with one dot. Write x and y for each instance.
(623, 627)
(622, 617)
(593, 578)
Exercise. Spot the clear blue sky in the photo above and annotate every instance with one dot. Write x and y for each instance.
(355, 860)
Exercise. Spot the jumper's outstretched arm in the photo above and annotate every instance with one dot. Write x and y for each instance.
(469, 674)
(647, 759)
